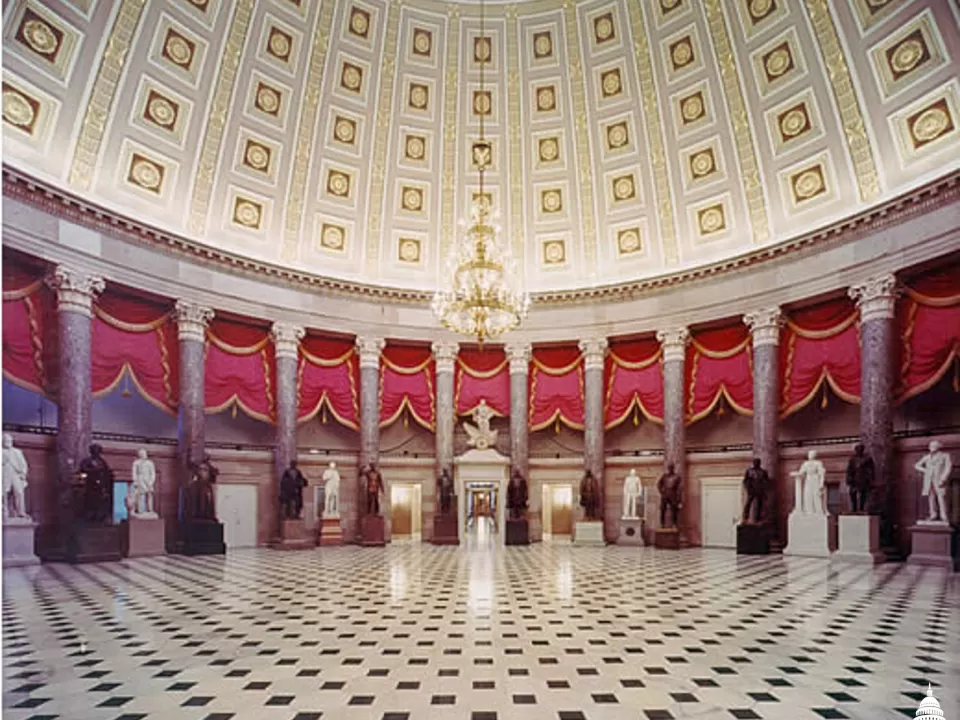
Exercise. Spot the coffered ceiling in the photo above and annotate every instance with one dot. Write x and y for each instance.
(631, 138)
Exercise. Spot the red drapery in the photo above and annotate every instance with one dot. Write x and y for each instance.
(406, 382)
(29, 330)
(820, 344)
(929, 318)
(482, 375)
(241, 369)
(633, 377)
(719, 365)
(327, 380)
(135, 338)
(556, 387)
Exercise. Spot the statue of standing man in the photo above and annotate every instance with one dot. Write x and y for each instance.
(859, 479)
(935, 467)
(331, 491)
(810, 491)
(670, 487)
(15, 471)
(144, 486)
(631, 495)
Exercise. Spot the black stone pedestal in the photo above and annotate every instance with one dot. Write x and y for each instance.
(754, 539)
(84, 543)
(666, 538)
(203, 537)
(372, 531)
(445, 530)
(518, 532)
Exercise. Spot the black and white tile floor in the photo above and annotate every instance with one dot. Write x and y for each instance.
(415, 631)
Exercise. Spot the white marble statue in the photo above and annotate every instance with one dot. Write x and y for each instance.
(15, 471)
(144, 487)
(809, 490)
(481, 436)
(331, 492)
(935, 467)
(631, 495)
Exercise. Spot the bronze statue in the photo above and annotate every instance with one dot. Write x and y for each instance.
(96, 480)
(670, 486)
(589, 496)
(202, 502)
(756, 480)
(292, 484)
(445, 489)
(372, 482)
(517, 495)
(859, 479)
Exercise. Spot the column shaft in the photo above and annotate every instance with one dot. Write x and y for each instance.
(286, 341)
(192, 322)
(765, 329)
(445, 356)
(674, 358)
(369, 349)
(519, 357)
(594, 351)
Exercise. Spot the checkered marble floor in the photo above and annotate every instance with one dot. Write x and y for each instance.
(479, 633)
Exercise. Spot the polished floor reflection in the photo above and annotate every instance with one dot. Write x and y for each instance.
(479, 633)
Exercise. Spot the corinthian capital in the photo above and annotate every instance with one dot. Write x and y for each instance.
(764, 326)
(876, 298)
(192, 320)
(75, 289)
(445, 355)
(674, 342)
(518, 353)
(594, 351)
(286, 339)
(369, 349)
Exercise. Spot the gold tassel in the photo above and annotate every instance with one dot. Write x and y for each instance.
(233, 411)
(956, 375)
(556, 426)
(323, 414)
(636, 416)
(126, 386)
(823, 400)
(720, 406)
(406, 421)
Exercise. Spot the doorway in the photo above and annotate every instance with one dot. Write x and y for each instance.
(557, 504)
(483, 504)
(720, 512)
(405, 517)
(237, 510)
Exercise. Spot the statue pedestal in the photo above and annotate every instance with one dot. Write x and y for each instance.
(18, 543)
(142, 537)
(202, 537)
(372, 531)
(932, 543)
(754, 539)
(445, 530)
(666, 538)
(330, 532)
(810, 535)
(631, 531)
(588, 532)
(517, 532)
(295, 535)
(859, 539)
(95, 543)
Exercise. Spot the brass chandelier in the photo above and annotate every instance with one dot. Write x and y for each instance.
(485, 298)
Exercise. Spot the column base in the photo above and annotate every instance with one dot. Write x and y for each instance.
(294, 535)
(588, 532)
(202, 537)
(631, 532)
(372, 531)
(330, 532)
(859, 540)
(517, 532)
(142, 537)
(754, 539)
(933, 544)
(810, 535)
(666, 538)
(445, 530)
(18, 543)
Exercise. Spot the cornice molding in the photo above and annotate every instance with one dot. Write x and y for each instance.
(69, 207)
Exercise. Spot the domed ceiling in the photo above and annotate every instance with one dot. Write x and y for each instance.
(631, 138)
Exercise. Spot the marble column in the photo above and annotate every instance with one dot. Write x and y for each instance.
(674, 343)
(286, 344)
(76, 291)
(192, 320)
(445, 357)
(369, 349)
(765, 331)
(876, 300)
(594, 351)
(518, 353)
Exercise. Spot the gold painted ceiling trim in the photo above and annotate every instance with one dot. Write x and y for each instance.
(743, 137)
(219, 107)
(448, 225)
(101, 96)
(516, 140)
(381, 135)
(306, 132)
(838, 73)
(585, 171)
(651, 114)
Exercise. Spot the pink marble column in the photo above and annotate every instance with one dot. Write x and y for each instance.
(518, 353)
(286, 345)
(674, 342)
(369, 349)
(765, 331)
(876, 300)
(445, 358)
(594, 351)
(76, 291)
(192, 320)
